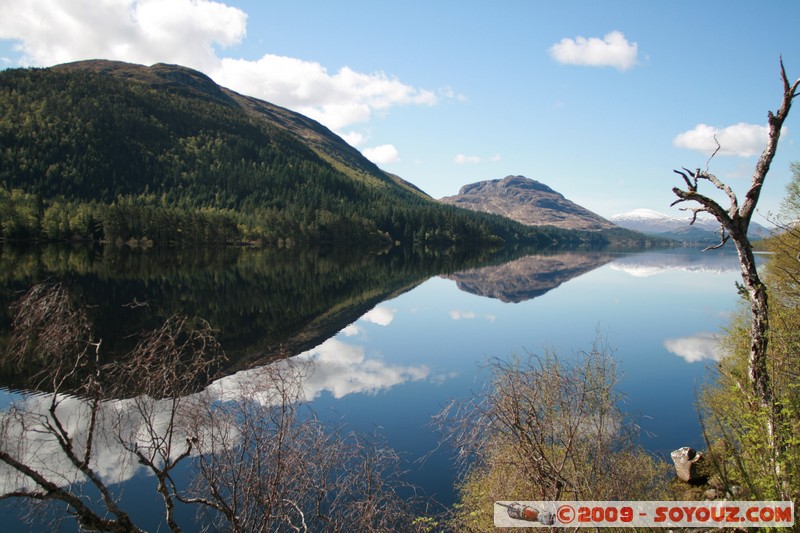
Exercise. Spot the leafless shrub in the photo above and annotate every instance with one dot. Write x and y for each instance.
(263, 461)
(268, 463)
(51, 333)
(547, 429)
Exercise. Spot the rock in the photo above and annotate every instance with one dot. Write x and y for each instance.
(710, 494)
(686, 461)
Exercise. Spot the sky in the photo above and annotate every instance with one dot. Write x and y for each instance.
(600, 100)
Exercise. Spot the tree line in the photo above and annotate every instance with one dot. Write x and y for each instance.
(89, 156)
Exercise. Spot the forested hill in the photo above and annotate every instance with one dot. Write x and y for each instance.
(114, 151)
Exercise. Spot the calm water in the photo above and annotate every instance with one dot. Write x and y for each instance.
(402, 361)
(393, 339)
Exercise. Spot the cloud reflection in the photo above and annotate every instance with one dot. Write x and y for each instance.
(703, 346)
(455, 314)
(334, 366)
(26, 431)
(382, 316)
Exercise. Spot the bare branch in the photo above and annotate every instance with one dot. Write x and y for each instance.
(732, 211)
(723, 239)
(775, 121)
(715, 152)
(692, 186)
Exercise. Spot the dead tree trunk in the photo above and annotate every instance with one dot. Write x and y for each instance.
(734, 222)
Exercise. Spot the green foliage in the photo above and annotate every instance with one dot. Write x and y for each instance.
(735, 423)
(550, 429)
(88, 155)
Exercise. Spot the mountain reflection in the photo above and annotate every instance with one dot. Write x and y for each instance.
(263, 305)
(653, 263)
(528, 277)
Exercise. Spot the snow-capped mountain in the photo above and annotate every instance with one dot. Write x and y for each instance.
(649, 221)
(705, 228)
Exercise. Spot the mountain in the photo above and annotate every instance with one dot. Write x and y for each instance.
(104, 150)
(704, 230)
(529, 202)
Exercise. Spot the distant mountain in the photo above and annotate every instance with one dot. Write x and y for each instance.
(527, 201)
(704, 230)
(105, 150)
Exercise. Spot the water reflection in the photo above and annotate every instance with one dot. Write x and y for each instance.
(33, 424)
(702, 346)
(47, 432)
(376, 339)
(655, 263)
(528, 277)
(335, 367)
(263, 304)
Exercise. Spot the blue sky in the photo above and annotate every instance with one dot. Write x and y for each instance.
(599, 100)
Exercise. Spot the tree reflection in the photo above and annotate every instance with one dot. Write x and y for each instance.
(260, 458)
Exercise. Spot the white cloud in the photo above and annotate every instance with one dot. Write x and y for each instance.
(382, 316)
(337, 100)
(353, 138)
(450, 93)
(462, 159)
(743, 140)
(702, 346)
(613, 50)
(140, 31)
(191, 33)
(385, 153)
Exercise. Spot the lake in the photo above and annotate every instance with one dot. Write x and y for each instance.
(394, 337)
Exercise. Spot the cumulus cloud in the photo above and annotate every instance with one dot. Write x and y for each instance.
(337, 100)
(743, 140)
(703, 346)
(192, 33)
(353, 138)
(385, 153)
(140, 31)
(613, 50)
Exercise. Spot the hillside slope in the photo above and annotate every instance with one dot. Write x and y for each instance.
(114, 151)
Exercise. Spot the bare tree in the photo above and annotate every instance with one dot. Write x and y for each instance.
(262, 460)
(50, 327)
(734, 224)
